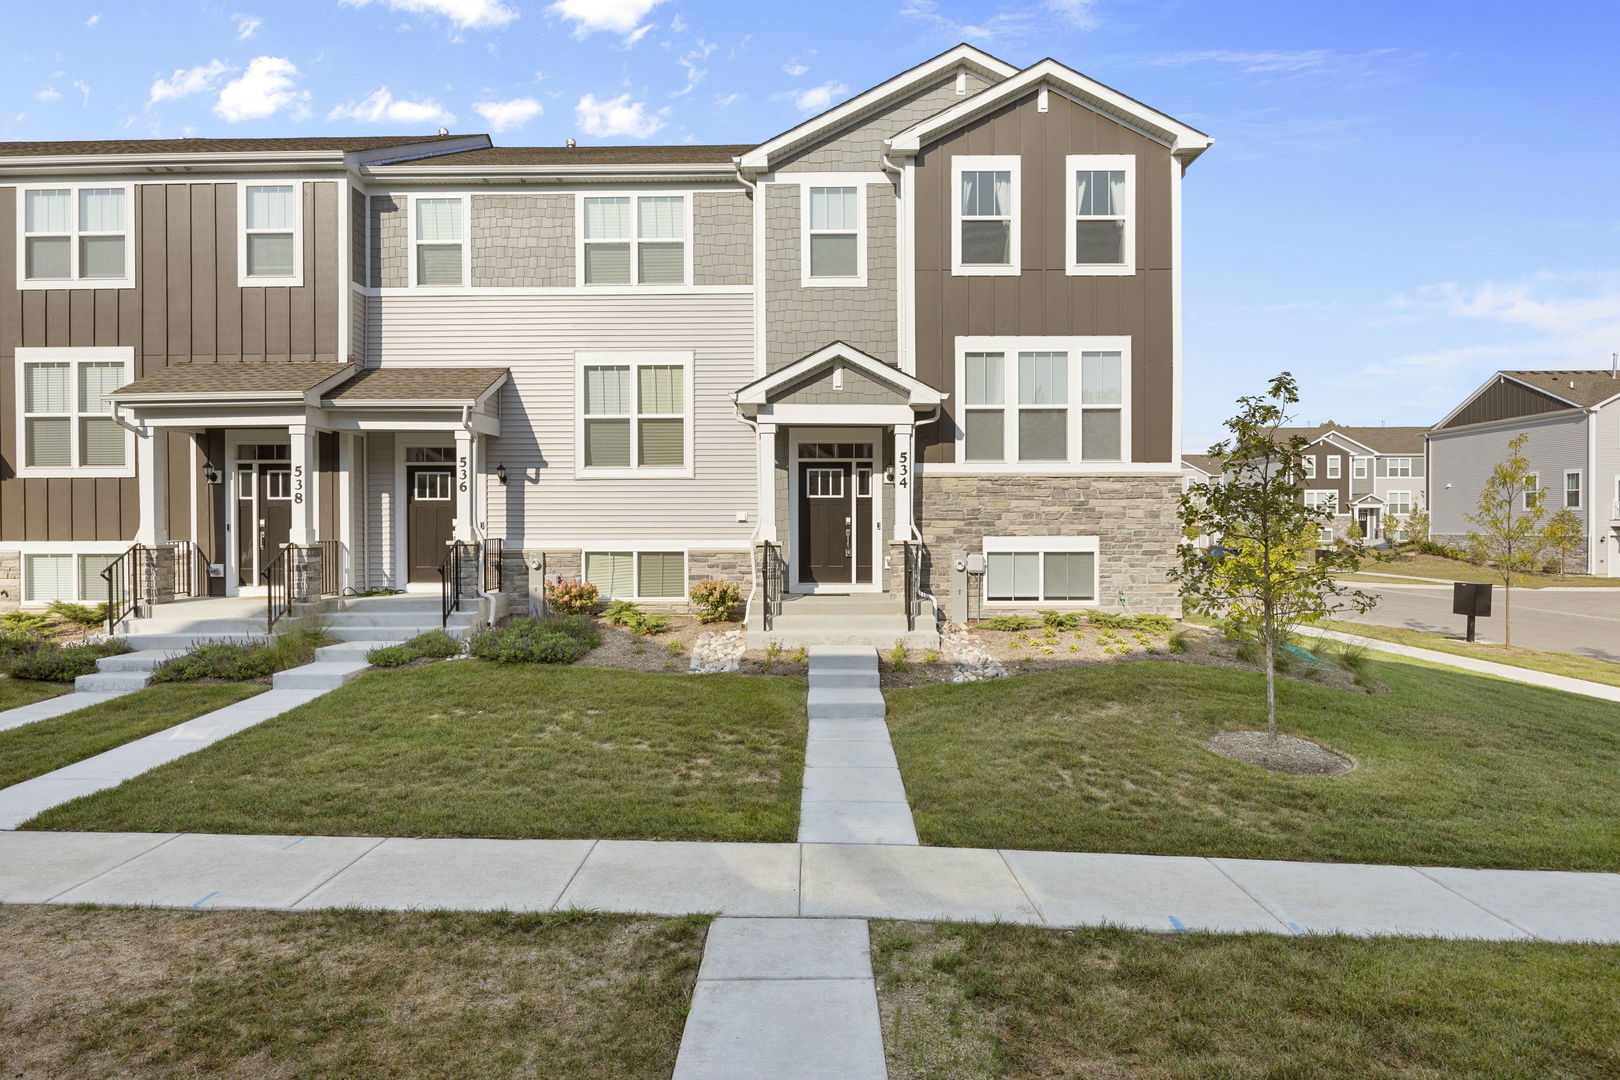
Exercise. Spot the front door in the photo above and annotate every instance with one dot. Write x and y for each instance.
(1369, 522)
(826, 523)
(430, 511)
(263, 508)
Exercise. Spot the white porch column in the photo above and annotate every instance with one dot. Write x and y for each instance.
(302, 437)
(905, 477)
(151, 471)
(465, 482)
(767, 483)
(346, 489)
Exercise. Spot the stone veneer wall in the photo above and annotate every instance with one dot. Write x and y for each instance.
(1133, 517)
(10, 580)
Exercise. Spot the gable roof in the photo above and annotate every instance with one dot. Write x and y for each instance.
(1184, 141)
(1584, 388)
(1204, 463)
(230, 380)
(439, 386)
(759, 158)
(1380, 440)
(917, 392)
(1556, 390)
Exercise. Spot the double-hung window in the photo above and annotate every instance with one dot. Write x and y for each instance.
(66, 421)
(1572, 489)
(1308, 464)
(1043, 401)
(985, 226)
(633, 240)
(635, 413)
(834, 231)
(1359, 468)
(1399, 503)
(1040, 569)
(1321, 499)
(1101, 234)
(640, 575)
(75, 237)
(271, 251)
(1335, 467)
(439, 254)
(1531, 494)
(1399, 466)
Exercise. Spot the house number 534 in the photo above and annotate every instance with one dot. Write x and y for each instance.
(903, 468)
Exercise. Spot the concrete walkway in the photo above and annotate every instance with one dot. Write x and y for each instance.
(852, 788)
(788, 999)
(72, 701)
(1529, 676)
(823, 881)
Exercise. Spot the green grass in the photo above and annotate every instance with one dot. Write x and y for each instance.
(1438, 566)
(237, 995)
(471, 748)
(37, 748)
(1453, 769)
(1576, 667)
(986, 1002)
(15, 693)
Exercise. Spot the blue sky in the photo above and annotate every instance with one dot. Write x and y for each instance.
(1402, 198)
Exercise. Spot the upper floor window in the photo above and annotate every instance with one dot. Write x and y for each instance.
(75, 237)
(834, 236)
(1101, 238)
(635, 413)
(66, 421)
(985, 226)
(1359, 468)
(1323, 500)
(271, 251)
(1399, 503)
(1400, 466)
(1043, 400)
(633, 240)
(1335, 467)
(1309, 464)
(439, 240)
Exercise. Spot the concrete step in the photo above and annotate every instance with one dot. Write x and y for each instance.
(854, 624)
(116, 682)
(396, 618)
(844, 704)
(321, 675)
(881, 642)
(145, 660)
(196, 627)
(400, 602)
(185, 642)
(851, 604)
(843, 680)
(350, 651)
(384, 634)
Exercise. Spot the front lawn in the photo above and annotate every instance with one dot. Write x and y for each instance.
(472, 748)
(37, 748)
(1554, 663)
(1438, 566)
(1452, 769)
(976, 1002)
(240, 995)
(15, 693)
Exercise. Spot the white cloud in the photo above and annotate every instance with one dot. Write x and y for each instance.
(690, 62)
(816, 98)
(92, 20)
(465, 14)
(505, 115)
(636, 35)
(677, 24)
(723, 100)
(795, 69)
(1077, 13)
(1001, 25)
(246, 25)
(616, 116)
(187, 81)
(84, 88)
(50, 93)
(615, 16)
(381, 107)
(267, 87)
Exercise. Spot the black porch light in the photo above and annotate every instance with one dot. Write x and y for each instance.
(500, 474)
(211, 474)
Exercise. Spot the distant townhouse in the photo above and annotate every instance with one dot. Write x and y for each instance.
(1572, 420)
(920, 353)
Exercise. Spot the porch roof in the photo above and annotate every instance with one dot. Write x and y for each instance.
(908, 388)
(233, 382)
(428, 386)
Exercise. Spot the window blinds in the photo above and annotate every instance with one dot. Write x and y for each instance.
(663, 574)
(612, 572)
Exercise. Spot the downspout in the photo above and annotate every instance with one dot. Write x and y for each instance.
(916, 533)
(753, 539)
(478, 528)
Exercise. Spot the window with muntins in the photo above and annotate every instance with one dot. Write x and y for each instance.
(633, 240)
(271, 245)
(1335, 467)
(1100, 237)
(1572, 490)
(984, 237)
(834, 232)
(75, 236)
(1400, 503)
(1532, 493)
(1056, 405)
(68, 427)
(634, 416)
(440, 240)
(1400, 466)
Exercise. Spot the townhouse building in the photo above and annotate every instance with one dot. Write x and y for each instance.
(920, 353)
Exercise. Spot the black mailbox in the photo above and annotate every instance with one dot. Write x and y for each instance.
(1471, 598)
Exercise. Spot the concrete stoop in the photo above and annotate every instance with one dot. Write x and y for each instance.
(876, 620)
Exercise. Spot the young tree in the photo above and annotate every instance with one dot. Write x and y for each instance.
(1268, 579)
(1507, 537)
(1392, 530)
(1565, 538)
(1417, 526)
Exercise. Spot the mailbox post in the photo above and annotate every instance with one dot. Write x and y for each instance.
(1473, 599)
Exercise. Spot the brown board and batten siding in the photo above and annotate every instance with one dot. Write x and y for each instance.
(1043, 300)
(1503, 399)
(186, 306)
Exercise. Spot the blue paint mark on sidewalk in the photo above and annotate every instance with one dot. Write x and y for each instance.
(295, 843)
(205, 899)
(1177, 925)
(1296, 928)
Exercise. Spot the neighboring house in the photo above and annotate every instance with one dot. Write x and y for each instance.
(939, 320)
(1572, 419)
(1200, 469)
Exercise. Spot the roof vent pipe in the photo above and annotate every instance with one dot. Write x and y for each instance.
(570, 144)
(1614, 365)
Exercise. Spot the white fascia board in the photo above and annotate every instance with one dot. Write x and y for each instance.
(1345, 442)
(759, 158)
(427, 172)
(1186, 142)
(917, 391)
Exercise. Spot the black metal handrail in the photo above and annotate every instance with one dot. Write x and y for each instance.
(123, 578)
(773, 574)
(450, 577)
(493, 577)
(909, 584)
(331, 572)
(186, 558)
(278, 585)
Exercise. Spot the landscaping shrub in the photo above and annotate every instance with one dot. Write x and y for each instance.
(78, 614)
(716, 600)
(391, 656)
(61, 663)
(1059, 620)
(1152, 624)
(1178, 641)
(33, 621)
(624, 613)
(16, 642)
(434, 645)
(570, 597)
(537, 641)
(1009, 622)
(295, 644)
(1445, 551)
(227, 661)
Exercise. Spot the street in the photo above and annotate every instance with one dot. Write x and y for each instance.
(1583, 622)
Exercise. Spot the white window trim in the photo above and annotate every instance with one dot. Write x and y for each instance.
(75, 282)
(858, 280)
(1338, 511)
(1335, 467)
(466, 238)
(243, 280)
(986, 163)
(76, 549)
(1010, 347)
(1405, 497)
(583, 360)
(1580, 489)
(1102, 163)
(635, 570)
(1524, 496)
(635, 240)
(1360, 468)
(1043, 545)
(1406, 464)
(72, 356)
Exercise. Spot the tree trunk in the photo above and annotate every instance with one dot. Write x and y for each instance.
(1271, 677)
(1507, 614)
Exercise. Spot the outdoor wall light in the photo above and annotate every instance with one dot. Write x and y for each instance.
(500, 474)
(211, 474)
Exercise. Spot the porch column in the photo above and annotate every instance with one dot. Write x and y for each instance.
(346, 530)
(302, 437)
(464, 486)
(151, 471)
(767, 483)
(905, 475)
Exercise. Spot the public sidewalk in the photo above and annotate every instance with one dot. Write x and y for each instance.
(824, 881)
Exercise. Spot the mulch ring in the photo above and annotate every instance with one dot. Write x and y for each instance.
(1279, 753)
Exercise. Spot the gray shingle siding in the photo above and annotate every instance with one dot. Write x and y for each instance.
(860, 148)
(523, 241)
(859, 389)
(388, 242)
(722, 238)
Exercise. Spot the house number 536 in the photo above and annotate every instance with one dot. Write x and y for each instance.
(461, 473)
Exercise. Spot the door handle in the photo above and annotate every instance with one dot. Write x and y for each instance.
(847, 550)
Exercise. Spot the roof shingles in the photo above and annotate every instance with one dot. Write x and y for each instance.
(232, 378)
(343, 144)
(448, 384)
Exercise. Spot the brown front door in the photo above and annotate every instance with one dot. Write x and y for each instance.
(263, 517)
(827, 527)
(430, 510)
